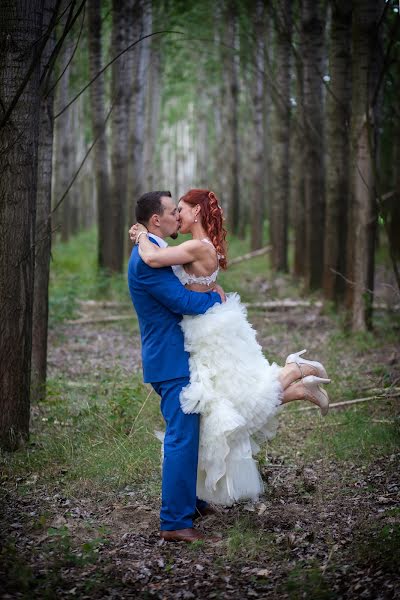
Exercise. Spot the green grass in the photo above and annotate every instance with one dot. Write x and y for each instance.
(246, 540)
(356, 435)
(101, 438)
(74, 276)
(307, 581)
(377, 546)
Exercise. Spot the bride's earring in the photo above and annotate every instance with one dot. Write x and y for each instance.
(195, 220)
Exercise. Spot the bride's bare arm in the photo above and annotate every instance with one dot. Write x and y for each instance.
(157, 257)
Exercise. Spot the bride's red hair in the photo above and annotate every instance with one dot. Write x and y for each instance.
(211, 218)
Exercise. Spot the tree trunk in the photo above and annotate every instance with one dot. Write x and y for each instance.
(338, 150)
(359, 296)
(98, 117)
(137, 109)
(313, 54)
(119, 137)
(257, 199)
(153, 115)
(62, 141)
(231, 78)
(43, 222)
(281, 137)
(297, 172)
(21, 28)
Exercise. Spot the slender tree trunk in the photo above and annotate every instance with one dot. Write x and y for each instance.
(313, 55)
(62, 142)
(231, 75)
(267, 115)
(153, 115)
(338, 150)
(297, 171)
(281, 137)
(98, 116)
(119, 138)
(366, 14)
(20, 30)
(43, 222)
(137, 112)
(257, 196)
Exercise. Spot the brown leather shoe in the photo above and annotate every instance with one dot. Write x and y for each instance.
(188, 535)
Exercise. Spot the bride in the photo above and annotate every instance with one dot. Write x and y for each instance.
(232, 385)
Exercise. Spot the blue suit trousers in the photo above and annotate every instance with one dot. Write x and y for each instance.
(181, 448)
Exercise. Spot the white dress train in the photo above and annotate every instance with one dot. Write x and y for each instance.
(238, 394)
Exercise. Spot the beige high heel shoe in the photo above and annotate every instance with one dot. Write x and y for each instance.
(296, 358)
(316, 394)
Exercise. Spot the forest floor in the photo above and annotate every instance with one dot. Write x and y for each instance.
(80, 504)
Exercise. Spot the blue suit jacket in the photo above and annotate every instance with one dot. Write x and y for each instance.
(160, 300)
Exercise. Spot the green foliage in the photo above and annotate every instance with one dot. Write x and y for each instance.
(378, 546)
(355, 434)
(97, 438)
(74, 275)
(247, 540)
(307, 581)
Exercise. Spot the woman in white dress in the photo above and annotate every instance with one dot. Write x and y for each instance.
(232, 385)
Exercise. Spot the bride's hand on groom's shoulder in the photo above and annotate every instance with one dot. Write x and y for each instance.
(135, 230)
(217, 288)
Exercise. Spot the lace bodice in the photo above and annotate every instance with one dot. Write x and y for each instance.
(188, 278)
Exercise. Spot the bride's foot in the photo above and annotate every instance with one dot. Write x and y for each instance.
(314, 393)
(316, 367)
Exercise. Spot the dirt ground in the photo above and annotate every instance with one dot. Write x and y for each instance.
(324, 528)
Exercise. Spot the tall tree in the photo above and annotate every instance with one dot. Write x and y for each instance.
(257, 199)
(98, 118)
(119, 138)
(297, 188)
(313, 59)
(62, 143)
(281, 136)
(338, 150)
(361, 246)
(231, 118)
(21, 32)
(43, 216)
(142, 20)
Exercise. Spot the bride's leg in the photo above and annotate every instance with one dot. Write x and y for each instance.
(292, 372)
(294, 392)
(308, 389)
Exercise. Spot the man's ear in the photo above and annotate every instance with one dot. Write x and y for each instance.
(154, 221)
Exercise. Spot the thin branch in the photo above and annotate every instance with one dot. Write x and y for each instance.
(109, 64)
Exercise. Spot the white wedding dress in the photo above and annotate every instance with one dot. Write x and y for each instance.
(236, 391)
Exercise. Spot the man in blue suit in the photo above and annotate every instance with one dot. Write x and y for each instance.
(160, 300)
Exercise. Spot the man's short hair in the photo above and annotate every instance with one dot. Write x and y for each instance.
(149, 204)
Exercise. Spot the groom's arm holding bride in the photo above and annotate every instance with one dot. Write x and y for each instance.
(168, 290)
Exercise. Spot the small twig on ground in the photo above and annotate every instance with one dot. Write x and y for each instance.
(349, 402)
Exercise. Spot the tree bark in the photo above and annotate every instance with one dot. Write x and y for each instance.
(21, 28)
(98, 117)
(281, 137)
(137, 109)
(361, 248)
(313, 55)
(231, 79)
(62, 142)
(43, 221)
(257, 195)
(119, 138)
(338, 150)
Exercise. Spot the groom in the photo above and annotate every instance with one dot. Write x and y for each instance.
(160, 300)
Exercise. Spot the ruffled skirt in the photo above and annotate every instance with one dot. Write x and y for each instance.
(237, 392)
